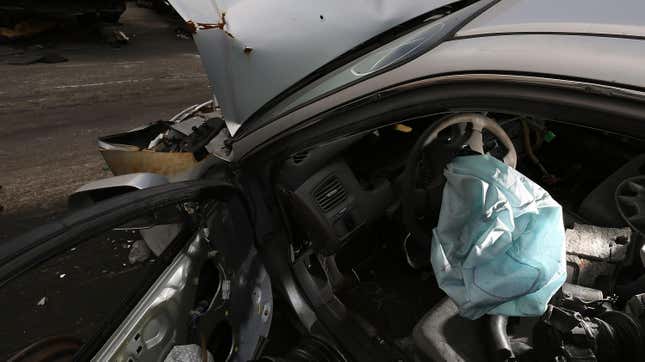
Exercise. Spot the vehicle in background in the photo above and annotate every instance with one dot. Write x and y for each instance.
(12, 11)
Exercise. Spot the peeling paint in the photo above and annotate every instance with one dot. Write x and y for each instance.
(194, 26)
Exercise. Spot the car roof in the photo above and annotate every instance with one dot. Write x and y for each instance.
(600, 17)
(611, 64)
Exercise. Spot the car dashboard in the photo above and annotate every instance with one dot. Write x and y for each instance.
(336, 189)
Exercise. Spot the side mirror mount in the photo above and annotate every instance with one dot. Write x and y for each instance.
(158, 231)
(99, 190)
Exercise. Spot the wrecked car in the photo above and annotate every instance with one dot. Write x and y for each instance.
(106, 10)
(294, 216)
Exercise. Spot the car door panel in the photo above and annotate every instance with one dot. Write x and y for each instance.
(208, 286)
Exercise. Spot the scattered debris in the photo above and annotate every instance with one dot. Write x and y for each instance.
(26, 29)
(120, 37)
(47, 58)
(115, 36)
(42, 301)
(139, 252)
(182, 33)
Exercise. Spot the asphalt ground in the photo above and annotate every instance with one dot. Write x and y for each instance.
(50, 118)
(52, 114)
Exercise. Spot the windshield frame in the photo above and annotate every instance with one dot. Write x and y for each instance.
(446, 20)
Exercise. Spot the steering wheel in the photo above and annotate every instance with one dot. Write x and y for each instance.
(431, 154)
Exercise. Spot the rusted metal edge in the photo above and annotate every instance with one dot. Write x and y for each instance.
(193, 26)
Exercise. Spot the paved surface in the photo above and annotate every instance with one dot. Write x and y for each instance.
(73, 294)
(51, 114)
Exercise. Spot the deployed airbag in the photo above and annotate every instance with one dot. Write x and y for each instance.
(499, 246)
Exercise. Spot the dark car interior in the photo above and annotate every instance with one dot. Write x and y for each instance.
(345, 199)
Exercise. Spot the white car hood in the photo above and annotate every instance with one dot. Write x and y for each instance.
(253, 50)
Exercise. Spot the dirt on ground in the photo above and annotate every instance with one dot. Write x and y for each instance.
(52, 114)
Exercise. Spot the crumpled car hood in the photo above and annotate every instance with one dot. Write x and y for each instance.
(253, 50)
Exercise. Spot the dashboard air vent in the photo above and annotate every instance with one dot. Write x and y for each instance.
(329, 193)
(299, 157)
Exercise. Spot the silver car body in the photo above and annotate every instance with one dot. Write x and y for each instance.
(254, 50)
(606, 57)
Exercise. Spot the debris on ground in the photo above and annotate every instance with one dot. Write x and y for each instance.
(45, 57)
(120, 37)
(182, 33)
(26, 29)
(42, 301)
(114, 36)
(139, 252)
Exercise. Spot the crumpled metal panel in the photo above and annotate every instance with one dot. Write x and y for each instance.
(623, 18)
(253, 50)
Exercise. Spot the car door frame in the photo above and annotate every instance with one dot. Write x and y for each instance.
(33, 248)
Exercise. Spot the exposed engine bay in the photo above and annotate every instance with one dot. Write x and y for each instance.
(347, 200)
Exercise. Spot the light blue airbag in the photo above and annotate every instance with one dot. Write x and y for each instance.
(499, 246)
